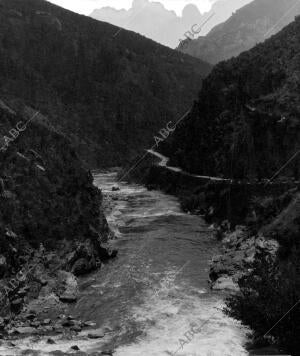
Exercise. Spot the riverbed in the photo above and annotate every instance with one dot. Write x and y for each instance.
(154, 298)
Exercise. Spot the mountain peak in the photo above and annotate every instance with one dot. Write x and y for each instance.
(191, 10)
(248, 26)
(153, 20)
(139, 4)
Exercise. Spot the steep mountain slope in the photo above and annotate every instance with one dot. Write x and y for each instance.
(250, 25)
(51, 215)
(154, 21)
(222, 10)
(246, 121)
(109, 90)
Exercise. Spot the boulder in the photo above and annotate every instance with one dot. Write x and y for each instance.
(69, 287)
(225, 284)
(75, 347)
(25, 330)
(96, 335)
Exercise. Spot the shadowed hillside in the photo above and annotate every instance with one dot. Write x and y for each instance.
(246, 121)
(109, 91)
(51, 214)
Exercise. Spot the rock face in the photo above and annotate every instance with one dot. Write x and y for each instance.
(51, 218)
(252, 24)
(239, 253)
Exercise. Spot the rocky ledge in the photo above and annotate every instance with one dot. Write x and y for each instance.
(239, 251)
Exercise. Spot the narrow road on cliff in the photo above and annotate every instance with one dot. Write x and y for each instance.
(164, 163)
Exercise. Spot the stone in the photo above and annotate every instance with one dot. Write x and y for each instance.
(50, 341)
(107, 329)
(68, 298)
(68, 323)
(30, 316)
(25, 330)
(89, 323)
(46, 321)
(95, 335)
(35, 324)
(115, 188)
(75, 347)
(69, 283)
(76, 328)
(225, 283)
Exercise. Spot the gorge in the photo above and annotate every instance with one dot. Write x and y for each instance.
(114, 242)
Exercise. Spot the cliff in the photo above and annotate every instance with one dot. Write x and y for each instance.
(51, 219)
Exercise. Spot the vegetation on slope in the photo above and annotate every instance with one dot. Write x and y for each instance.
(269, 299)
(246, 121)
(109, 90)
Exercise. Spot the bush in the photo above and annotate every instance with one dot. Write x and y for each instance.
(268, 301)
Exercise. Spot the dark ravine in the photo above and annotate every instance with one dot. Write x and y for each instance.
(108, 91)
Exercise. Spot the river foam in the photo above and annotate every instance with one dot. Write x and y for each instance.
(154, 297)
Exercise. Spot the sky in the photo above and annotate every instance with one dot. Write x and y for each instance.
(87, 6)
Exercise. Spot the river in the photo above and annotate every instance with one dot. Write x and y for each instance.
(154, 298)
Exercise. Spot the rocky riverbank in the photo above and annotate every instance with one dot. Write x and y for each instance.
(52, 225)
(240, 250)
(258, 225)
